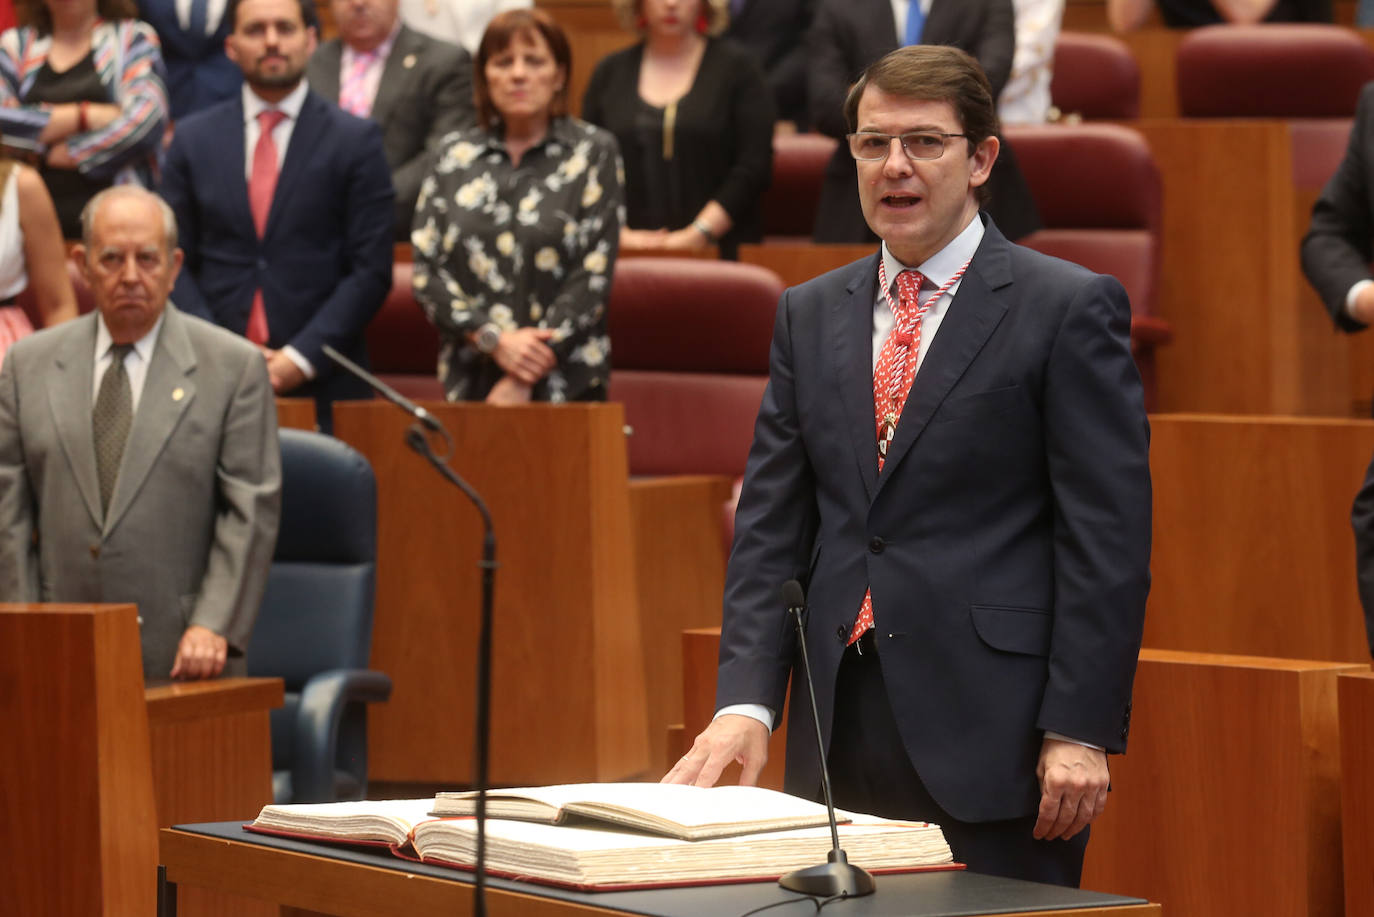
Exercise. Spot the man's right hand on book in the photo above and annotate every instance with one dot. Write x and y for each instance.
(730, 737)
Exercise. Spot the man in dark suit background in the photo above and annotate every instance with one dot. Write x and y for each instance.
(192, 35)
(848, 35)
(976, 596)
(416, 87)
(285, 207)
(775, 31)
(1336, 252)
(138, 454)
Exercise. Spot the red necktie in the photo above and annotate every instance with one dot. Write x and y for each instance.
(262, 184)
(892, 380)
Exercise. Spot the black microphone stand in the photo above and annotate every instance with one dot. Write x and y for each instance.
(418, 441)
(835, 877)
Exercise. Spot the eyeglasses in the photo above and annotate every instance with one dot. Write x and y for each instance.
(871, 146)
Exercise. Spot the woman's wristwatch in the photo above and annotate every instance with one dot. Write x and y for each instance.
(702, 227)
(486, 338)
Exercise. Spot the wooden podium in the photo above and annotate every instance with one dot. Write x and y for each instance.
(96, 762)
(79, 828)
(568, 699)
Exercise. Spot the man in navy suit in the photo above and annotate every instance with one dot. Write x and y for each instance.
(285, 208)
(1002, 550)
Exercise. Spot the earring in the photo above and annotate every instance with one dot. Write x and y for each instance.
(702, 22)
(641, 22)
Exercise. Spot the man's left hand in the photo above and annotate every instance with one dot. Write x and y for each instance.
(283, 372)
(1073, 788)
(200, 654)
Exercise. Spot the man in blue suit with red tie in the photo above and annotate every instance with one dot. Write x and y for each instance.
(285, 208)
(952, 454)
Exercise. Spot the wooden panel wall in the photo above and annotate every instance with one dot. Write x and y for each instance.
(1253, 550)
(1228, 798)
(78, 828)
(1356, 693)
(568, 699)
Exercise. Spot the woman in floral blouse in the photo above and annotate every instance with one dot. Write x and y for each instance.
(517, 228)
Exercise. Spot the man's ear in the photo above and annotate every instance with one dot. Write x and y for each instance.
(980, 163)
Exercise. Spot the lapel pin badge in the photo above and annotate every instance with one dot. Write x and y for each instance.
(178, 394)
(409, 61)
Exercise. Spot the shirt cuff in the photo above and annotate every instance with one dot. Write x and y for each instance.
(1064, 738)
(301, 362)
(753, 711)
(1354, 294)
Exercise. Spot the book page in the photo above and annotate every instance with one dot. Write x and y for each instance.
(666, 805)
(386, 821)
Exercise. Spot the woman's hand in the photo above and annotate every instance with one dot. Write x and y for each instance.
(523, 353)
(509, 391)
(640, 239)
(688, 238)
(58, 157)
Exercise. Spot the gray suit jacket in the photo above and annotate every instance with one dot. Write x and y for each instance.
(425, 93)
(193, 519)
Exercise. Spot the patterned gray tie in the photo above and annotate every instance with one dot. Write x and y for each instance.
(110, 421)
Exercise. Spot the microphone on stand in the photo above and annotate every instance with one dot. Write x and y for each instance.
(835, 877)
(386, 391)
(416, 439)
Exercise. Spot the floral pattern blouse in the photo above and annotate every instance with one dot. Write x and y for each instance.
(521, 246)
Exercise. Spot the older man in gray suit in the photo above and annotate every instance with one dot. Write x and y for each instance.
(138, 454)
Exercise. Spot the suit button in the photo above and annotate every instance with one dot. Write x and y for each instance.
(841, 632)
(876, 545)
(95, 550)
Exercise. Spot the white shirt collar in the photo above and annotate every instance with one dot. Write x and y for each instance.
(253, 104)
(939, 267)
(143, 346)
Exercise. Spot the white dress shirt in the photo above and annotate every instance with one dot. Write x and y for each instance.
(1026, 97)
(135, 361)
(459, 22)
(899, 12)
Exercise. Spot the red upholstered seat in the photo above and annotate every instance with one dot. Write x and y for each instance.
(1318, 147)
(789, 204)
(1272, 71)
(402, 344)
(1098, 191)
(689, 357)
(1095, 76)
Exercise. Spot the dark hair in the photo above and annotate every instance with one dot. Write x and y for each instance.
(36, 15)
(501, 31)
(933, 73)
(307, 8)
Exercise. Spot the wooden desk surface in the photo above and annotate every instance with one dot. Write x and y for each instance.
(363, 883)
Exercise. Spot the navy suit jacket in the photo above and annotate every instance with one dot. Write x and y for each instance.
(1006, 542)
(199, 74)
(324, 262)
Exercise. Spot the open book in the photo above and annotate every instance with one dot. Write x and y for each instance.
(690, 813)
(606, 858)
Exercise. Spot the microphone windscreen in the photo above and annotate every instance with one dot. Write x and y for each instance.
(792, 595)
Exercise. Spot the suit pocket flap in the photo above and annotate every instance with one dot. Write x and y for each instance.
(1014, 630)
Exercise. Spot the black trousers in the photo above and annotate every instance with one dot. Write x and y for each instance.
(871, 772)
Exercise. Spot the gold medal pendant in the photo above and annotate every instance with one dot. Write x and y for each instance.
(885, 434)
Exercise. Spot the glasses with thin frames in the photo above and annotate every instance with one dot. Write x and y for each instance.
(871, 146)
